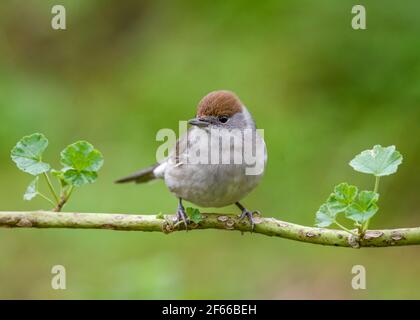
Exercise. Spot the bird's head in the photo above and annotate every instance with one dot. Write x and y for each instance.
(222, 109)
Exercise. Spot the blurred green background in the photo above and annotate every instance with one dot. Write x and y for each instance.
(122, 70)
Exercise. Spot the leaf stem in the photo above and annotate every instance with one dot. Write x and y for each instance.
(69, 193)
(345, 229)
(376, 188)
(64, 198)
(46, 198)
(50, 186)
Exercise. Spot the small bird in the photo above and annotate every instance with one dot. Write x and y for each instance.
(210, 184)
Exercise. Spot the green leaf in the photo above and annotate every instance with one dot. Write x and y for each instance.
(194, 215)
(27, 154)
(364, 207)
(78, 178)
(325, 216)
(160, 216)
(379, 161)
(82, 156)
(338, 201)
(60, 176)
(344, 194)
(32, 190)
(81, 162)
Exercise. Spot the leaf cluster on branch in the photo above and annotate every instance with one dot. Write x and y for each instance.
(80, 160)
(348, 201)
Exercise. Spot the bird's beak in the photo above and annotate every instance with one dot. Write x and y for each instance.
(199, 122)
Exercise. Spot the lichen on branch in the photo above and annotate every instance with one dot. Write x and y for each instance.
(167, 224)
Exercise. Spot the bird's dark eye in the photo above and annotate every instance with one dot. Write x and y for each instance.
(223, 119)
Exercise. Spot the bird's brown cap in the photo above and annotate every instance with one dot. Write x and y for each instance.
(219, 103)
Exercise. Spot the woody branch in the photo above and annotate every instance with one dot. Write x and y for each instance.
(166, 224)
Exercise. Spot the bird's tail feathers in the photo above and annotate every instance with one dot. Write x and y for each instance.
(141, 176)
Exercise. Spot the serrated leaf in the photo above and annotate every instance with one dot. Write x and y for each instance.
(82, 156)
(379, 161)
(194, 215)
(32, 190)
(78, 178)
(344, 194)
(325, 216)
(27, 154)
(81, 162)
(364, 207)
(338, 201)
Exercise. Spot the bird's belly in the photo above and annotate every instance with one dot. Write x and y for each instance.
(209, 185)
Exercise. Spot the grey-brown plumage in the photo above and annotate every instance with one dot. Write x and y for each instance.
(141, 176)
(210, 184)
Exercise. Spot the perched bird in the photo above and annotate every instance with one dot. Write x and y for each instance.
(211, 184)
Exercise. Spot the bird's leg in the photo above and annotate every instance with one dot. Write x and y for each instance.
(181, 215)
(247, 214)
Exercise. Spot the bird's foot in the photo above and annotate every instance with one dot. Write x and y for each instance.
(250, 215)
(181, 216)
